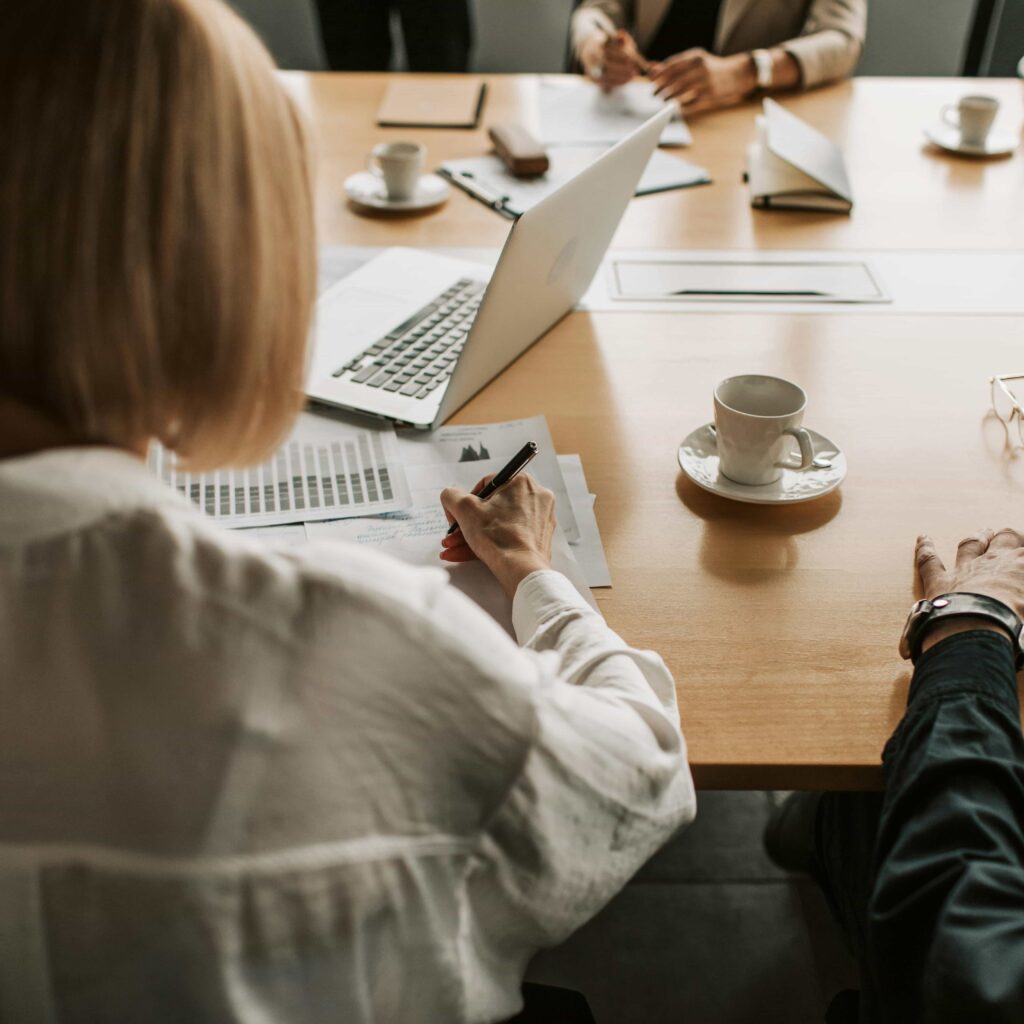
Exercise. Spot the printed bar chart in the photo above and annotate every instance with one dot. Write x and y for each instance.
(326, 470)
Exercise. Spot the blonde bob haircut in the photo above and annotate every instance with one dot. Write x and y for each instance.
(157, 251)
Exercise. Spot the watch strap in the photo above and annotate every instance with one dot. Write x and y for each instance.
(764, 68)
(926, 614)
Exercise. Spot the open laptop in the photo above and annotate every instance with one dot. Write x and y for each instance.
(412, 336)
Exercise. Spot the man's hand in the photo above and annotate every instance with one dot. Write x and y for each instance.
(510, 533)
(988, 563)
(699, 80)
(610, 60)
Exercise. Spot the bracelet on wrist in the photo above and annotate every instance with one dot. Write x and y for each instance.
(926, 615)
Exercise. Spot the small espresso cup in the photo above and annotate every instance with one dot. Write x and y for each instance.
(972, 117)
(398, 165)
(755, 417)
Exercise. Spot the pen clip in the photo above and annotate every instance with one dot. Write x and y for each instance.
(468, 182)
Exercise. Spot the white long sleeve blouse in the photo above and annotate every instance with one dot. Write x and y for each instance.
(246, 785)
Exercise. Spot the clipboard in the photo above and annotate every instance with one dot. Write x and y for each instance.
(489, 181)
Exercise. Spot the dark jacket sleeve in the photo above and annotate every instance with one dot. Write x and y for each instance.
(945, 923)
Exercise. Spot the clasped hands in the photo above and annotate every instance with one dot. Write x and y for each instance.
(695, 79)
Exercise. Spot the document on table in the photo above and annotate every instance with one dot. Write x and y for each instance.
(589, 550)
(485, 448)
(327, 469)
(415, 537)
(576, 112)
(663, 173)
(459, 456)
(291, 536)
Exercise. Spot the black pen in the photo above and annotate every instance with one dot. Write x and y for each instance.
(516, 465)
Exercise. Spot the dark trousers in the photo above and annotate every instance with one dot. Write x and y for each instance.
(544, 1004)
(846, 828)
(357, 33)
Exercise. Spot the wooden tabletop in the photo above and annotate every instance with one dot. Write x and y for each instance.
(780, 624)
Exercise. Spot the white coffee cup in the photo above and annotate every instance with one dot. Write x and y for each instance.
(755, 416)
(972, 117)
(398, 165)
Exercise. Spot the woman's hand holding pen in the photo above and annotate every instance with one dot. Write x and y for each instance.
(510, 533)
(611, 60)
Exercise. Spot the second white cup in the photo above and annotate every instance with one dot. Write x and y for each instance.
(399, 165)
(755, 417)
(973, 117)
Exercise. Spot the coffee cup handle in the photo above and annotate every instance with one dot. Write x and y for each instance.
(373, 167)
(806, 446)
(951, 108)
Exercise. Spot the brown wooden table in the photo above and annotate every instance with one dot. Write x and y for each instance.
(780, 625)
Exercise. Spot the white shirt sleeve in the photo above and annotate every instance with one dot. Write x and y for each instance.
(603, 784)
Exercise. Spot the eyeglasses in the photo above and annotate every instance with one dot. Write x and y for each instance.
(1005, 403)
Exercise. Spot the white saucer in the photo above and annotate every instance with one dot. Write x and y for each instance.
(698, 459)
(367, 189)
(948, 138)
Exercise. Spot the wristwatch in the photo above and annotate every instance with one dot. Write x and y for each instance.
(763, 67)
(927, 613)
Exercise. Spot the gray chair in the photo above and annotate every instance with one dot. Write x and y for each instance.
(916, 37)
(521, 35)
(289, 28)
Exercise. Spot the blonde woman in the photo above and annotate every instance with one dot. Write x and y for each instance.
(238, 785)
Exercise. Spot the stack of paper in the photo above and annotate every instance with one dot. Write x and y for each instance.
(577, 112)
(366, 485)
(460, 456)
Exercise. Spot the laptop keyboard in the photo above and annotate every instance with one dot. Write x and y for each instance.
(419, 355)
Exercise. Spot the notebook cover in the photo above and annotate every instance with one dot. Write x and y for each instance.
(806, 149)
(419, 103)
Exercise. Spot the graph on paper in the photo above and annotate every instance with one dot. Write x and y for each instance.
(327, 469)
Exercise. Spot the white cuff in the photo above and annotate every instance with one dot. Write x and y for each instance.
(542, 595)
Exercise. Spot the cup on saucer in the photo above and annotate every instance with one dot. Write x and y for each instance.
(395, 182)
(972, 117)
(756, 420)
(399, 166)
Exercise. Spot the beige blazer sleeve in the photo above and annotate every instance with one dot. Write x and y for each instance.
(827, 45)
(825, 37)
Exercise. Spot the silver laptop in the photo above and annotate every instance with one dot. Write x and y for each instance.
(412, 335)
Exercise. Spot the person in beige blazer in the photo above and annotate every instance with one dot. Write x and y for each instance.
(712, 53)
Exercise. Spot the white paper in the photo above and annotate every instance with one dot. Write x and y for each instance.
(662, 172)
(327, 469)
(414, 537)
(292, 536)
(577, 112)
(486, 448)
(589, 550)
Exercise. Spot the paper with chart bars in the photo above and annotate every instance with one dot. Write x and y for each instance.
(327, 469)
